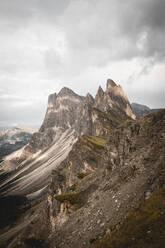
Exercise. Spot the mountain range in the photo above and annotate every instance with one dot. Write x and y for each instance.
(86, 176)
(13, 139)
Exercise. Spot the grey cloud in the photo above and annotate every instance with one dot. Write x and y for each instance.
(99, 32)
(17, 110)
(104, 30)
(94, 35)
(15, 14)
(18, 12)
(51, 9)
(154, 97)
(116, 26)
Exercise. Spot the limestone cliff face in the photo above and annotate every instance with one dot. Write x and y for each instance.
(62, 110)
(69, 110)
(113, 98)
(85, 115)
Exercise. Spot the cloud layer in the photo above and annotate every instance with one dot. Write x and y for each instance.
(46, 45)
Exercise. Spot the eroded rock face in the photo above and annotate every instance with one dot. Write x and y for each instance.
(62, 110)
(114, 98)
(125, 173)
(83, 114)
(69, 110)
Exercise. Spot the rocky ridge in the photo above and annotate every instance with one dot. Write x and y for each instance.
(69, 110)
(113, 164)
(69, 116)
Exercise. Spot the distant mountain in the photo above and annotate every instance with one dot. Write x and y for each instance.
(14, 139)
(142, 110)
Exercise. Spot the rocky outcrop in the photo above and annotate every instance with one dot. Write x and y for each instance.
(114, 98)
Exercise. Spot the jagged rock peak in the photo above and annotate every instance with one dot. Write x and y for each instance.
(115, 89)
(110, 84)
(89, 99)
(66, 91)
(99, 97)
(100, 92)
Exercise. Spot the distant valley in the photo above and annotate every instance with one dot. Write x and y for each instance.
(13, 139)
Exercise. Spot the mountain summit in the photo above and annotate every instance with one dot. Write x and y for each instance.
(68, 116)
(68, 110)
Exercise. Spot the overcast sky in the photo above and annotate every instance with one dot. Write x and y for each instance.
(48, 44)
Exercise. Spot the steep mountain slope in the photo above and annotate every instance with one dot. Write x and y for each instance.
(131, 168)
(68, 116)
(144, 227)
(14, 139)
(98, 184)
(72, 172)
(142, 110)
(31, 177)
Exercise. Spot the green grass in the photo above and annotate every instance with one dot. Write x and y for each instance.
(73, 198)
(143, 228)
(97, 141)
(73, 187)
(81, 175)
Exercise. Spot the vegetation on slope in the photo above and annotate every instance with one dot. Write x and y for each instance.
(73, 198)
(96, 141)
(81, 175)
(144, 227)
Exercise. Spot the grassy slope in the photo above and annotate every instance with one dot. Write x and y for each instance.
(144, 227)
(97, 141)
